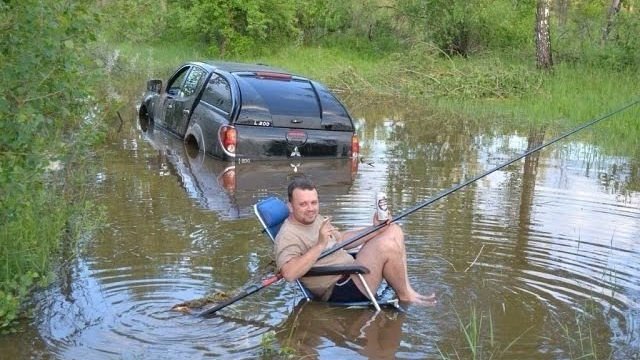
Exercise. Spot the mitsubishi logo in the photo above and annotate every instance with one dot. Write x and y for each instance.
(295, 152)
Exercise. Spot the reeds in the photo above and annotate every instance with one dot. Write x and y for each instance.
(477, 330)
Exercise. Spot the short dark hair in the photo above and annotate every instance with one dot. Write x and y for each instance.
(300, 182)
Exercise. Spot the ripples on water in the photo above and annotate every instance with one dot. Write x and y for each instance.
(534, 250)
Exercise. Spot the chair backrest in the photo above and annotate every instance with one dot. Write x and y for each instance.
(271, 212)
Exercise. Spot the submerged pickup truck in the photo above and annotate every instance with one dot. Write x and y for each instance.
(235, 111)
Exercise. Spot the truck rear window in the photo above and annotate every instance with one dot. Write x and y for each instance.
(292, 98)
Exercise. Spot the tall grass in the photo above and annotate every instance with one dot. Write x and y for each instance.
(572, 95)
(577, 93)
(579, 337)
(477, 332)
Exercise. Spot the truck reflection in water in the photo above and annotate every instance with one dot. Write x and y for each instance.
(231, 188)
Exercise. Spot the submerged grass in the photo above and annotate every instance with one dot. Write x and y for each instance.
(476, 330)
(579, 338)
(269, 349)
(478, 338)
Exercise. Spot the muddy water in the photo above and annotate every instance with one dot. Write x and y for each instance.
(539, 260)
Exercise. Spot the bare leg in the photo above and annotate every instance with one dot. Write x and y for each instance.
(386, 258)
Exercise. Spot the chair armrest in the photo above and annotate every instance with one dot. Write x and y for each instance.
(337, 270)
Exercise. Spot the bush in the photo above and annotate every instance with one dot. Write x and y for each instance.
(47, 100)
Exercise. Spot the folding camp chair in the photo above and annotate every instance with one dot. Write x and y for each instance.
(272, 212)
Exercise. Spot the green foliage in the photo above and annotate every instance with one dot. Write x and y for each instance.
(377, 28)
(622, 50)
(236, 26)
(580, 38)
(318, 18)
(11, 292)
(464, 27)
(134, 21)
(46, 104)
(270, 350)
(366, 27)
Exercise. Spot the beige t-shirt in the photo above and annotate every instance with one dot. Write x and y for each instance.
(296, 239)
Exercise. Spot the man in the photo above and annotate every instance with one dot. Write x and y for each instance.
(305, 234)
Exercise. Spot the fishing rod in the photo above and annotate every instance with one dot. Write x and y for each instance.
(472, 180)
(370, 230)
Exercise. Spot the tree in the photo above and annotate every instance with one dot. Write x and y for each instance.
(51, 108)
(237, 26)
(613, 10)
(543, 36)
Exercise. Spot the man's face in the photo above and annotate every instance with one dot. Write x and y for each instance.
(304, 205)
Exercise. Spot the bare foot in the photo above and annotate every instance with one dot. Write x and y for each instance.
(431, 297)
(419, 299)
(429, 300)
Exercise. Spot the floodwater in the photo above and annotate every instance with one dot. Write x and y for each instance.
(538, 260)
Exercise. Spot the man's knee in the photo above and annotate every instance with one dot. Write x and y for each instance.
(396, 230)
(391, 241)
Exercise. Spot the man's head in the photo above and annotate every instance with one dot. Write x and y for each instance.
(303, 200)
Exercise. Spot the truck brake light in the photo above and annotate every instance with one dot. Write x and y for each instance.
(228, 138)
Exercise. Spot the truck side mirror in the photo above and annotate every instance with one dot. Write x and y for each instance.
(154, 86)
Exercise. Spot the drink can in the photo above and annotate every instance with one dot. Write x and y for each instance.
(381, 206)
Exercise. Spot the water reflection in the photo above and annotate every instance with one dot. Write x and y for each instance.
(316, 330)
(231, 188)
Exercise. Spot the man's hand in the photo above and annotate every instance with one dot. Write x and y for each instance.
(326, 232)
(377, 222)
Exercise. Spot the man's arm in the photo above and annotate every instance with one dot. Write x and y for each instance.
(297, 266)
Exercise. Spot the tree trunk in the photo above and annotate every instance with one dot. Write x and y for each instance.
(563, 12)
(543, 36)
(611, 14)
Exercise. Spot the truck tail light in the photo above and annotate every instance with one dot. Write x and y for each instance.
(228, 137)
(355, 145)
(273, 75)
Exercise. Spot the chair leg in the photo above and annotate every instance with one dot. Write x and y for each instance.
(369, 293)
(304, 292)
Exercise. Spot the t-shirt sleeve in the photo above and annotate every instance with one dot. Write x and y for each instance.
(287, 247)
